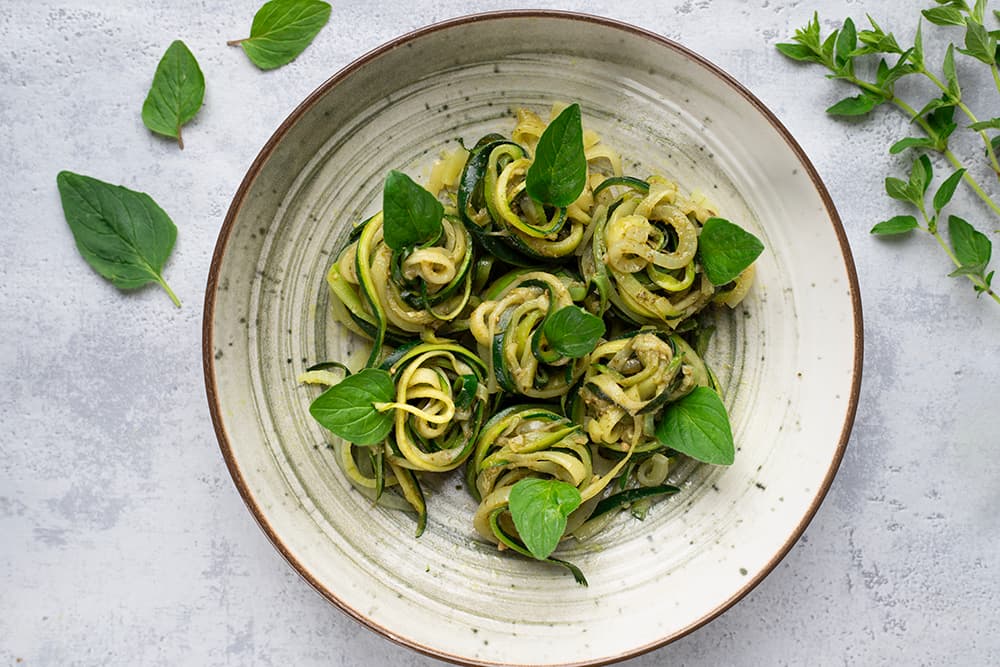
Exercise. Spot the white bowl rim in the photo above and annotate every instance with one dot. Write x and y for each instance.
(208, 360)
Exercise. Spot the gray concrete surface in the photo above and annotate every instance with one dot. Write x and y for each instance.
(123, 540)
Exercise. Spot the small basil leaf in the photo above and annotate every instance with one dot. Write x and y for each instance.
(897, 225)
(944, 16)
(558, 173)
(798, 52)
(123, 234)
(281, 30)
(573, 332)
(947, 190)
(972, 248)
(697, 425)
(348, 408)
(176, 94)
(410, 214)
(539, 508)
(858, 105)
(726, 250)
(911, 142)
(971, 270)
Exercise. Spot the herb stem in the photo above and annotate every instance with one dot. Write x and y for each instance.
(996, 75)
(975, 280)
(236, 42)
(968, 113)
(170, 292)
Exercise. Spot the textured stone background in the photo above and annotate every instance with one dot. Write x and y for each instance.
(122, 538)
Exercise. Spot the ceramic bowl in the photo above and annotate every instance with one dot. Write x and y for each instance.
(789, 357)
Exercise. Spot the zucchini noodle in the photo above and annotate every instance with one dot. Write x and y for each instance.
(507, 327)
(459, 323)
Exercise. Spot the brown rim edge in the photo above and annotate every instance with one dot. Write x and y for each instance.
(208, 361)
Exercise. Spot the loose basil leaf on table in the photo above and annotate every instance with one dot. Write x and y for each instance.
(539, 508)
(123, 234)
(176, 94)
(558, 173)
(697, 425)
(410, 214)
(573, 332)
(281, 30)
(350, 408)
(726, 250)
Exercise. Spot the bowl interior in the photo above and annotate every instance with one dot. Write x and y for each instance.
(788, 357)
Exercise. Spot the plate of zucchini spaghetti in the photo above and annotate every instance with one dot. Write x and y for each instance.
(539, 352)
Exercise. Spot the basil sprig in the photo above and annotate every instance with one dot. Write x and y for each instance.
(410, 214)
(350, 408)
(573, 332)
(558, 173)
(697, 425)
(123, 234)
(539, 508)
(281, 30)
(176, 94)
(726, 250)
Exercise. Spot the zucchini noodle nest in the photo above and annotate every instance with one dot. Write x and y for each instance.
(460, 324)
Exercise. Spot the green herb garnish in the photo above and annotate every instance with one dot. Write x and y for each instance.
(726, 250)
(281, 30)
(845, 53)
(176, 94)
(410, 214)
(124, 235)
(573, 332)
(539, 508)
(558, 173)
(351, 408)
(697, 425)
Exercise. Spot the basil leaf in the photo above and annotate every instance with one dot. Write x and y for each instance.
(697, 425)
(558, 173)
(726, 250)
(944, 16)
(281, 30)
(897, 225)
(124, 235)
(176, 94)
(947, 190)
(539, 508)
(348, 407)
(911, 142)
(573, 332)
(858, 105)
(972, 248)
(410, 214)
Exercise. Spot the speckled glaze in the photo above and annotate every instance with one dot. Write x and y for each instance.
(790, 357)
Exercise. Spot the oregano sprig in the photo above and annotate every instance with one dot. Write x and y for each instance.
(845, 48)
(970, 250)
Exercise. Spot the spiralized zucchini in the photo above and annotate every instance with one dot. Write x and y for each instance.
(467, 315)
(378, 290)
(507, 327)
